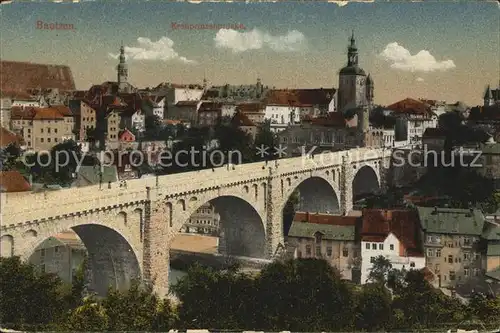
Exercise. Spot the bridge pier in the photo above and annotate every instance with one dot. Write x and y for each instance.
(157, 239)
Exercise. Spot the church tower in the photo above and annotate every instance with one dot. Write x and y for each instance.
(352, 91)
(488, 97)
(122, 72)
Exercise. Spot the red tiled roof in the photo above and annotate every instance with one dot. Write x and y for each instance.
(63, 110)
(434, 133)
(299, 97)
(402, 223)
(8, 137)
(126, 133)
(47, 113)
(410, 106)
(13, 181)
(318, 218)
(21, 76)
(18, 112)
(241, 119)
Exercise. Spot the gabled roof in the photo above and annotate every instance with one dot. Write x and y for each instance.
(299, 97)
(13, 181)
(8, 137)
(331, 232)
(21, 76)
(319, 218)
(451, 220)
(241, 119)
(90, 175)
(124, 133)
(411, 106)
(47, 114)
(403, 223)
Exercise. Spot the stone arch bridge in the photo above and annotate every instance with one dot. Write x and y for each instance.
(128, 231)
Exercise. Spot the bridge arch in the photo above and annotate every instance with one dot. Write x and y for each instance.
(317, 193)
(114, 252)
(366, 180)
(242, 226)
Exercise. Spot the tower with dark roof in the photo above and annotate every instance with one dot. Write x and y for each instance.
(488, 97)
(354, 91)
(122, 72)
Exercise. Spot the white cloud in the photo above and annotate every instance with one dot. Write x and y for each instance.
(419, 79)
(163, 50)
(253, 40)
(401, 59)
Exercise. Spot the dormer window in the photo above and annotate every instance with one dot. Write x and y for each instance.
(318, 236)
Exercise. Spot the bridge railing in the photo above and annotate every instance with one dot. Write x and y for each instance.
(20, 207)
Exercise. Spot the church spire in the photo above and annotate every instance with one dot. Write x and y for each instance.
(122, 71)
(352, 52)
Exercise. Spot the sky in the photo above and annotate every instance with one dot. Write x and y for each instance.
(436, 50)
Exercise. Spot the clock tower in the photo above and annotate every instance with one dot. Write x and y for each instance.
(352, 93)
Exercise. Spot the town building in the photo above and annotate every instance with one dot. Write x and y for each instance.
(329, 237)
(489, 160)
(434, 139)
(180, 101)
(241, 121)
(287, 107)
(393, 234)
(451, 238)
(204, 221)
(210, 113)
(62, 254)
(85, 118)
(254, 112)
(43, 128)
(412, 119)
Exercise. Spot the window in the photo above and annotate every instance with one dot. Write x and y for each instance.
(56, 249)
(452, 275)
(450, 259)
(329, 251)
(345, 252)
(41, 130)
(319, 237)
(42, 268)
(367, 246)
(437, 268)
(466, 272)
(308, 250)
(467, 256)
(381, 246)
(41, 139)
(299, 254)
(48, 140)
(318, 251)
(438, 253)
(372, 259)
(374, 246)
(55, 130)
(476, 272)
(48, 130)
(55, 139)
(430, 252)
(467, 241)
(412, 264)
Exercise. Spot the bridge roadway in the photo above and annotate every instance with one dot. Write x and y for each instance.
(128, 230)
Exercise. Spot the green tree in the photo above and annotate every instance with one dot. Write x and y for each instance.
(9, 157)
(373, 311)
(132, 310)
(304, 295)
(266, 138)
(380, 270)
(90, 316)
(205, 294)
(153, 126)
(29, 298)
(166, 316)
(485, 308)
